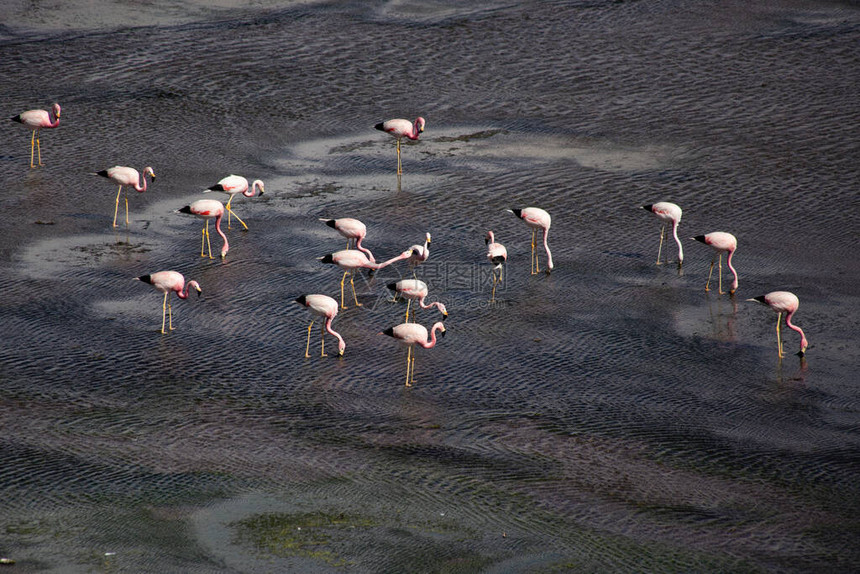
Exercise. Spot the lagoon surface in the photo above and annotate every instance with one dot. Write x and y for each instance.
(610, 417)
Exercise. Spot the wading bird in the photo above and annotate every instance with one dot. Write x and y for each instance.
(420, 254)
(353, 230)
(167, 281)
(126, 176)
(322, 306)
(36, 120)
(497, 254)
(667, 213)
(234, 185)
(536, 218)
(411, 334)
(721, 242)
(351, 260)
(415, 290)
(400, 129)
(207, 209)
(783, 302)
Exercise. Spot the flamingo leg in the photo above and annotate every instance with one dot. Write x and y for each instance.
(126, 211)
(778, 339)
(352, 284)
(408, 304)
(116, 207)
(342, 280)
(169, 316)
(660, 248)
(708, 284)
(38, 147)
(163, 312)
(720, 273)
(493, 296)
(408, 365)
(322, 340)
(231, 212)
(208, 244)
(32, 145)
(399, 166)
(412, 370)
(308, 345)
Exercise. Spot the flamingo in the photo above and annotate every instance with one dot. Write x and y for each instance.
(416, 290)
(497, 254)
(667, 212)
(126, 176)
(721, 242)
(36, 120)
(350, 260)
(536, 218)
(420, 254)
(353, 230)
(207, 209)
(322, 306)
(400, 129)
(167, 281)
(783, 302)
(234, 185)
(411, 334)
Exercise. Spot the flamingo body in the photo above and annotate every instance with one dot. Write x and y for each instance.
(353, 230)
(536, 218)
(208, 209)
(420, 253)
(721, 242)
(416, 290)
(350, 260)
(411, 334)
(398, 129)
(783, 302)
(36, 120)
(167, 282)
(234, 185)
(122, 175)
(326, 307)
(667, 213)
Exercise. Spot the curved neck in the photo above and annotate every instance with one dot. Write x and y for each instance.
(432, 342)
(251, 191)
(428, 305)
(364, 250)
(803, 342)
(678, 241)
(137, 186)
(546, 246)
(330, 331)
(226, 246)
(54, 119)
(735, 273)
(402, 256)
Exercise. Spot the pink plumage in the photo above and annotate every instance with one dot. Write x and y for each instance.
(351, 260)
(399, 128)
(721, 242)
(498, 255)
(208, 209)
(667, 213)
(353, 230)
(234, 185)
(167, 281)
(411, 334)
(36, 120)
(536, 218)
(129, 176)
(416, 290)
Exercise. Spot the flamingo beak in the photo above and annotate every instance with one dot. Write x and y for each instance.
(199, 292)
(441, 332)
(444, 317)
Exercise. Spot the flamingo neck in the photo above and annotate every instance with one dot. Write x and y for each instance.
(432, 342)
(735, 273)
(226, 247)
(364, 250)
(803, 342)
(138, 187)
(678, 241)
(546, 246)
(54, 119)
(401, 257)
(251, 191)
(330, 331)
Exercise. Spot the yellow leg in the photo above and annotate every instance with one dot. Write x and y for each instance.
(408, 362)
(493, 296)
(39, 149)
(116, 206)
(660, 248)
(169, 317)
(720, 273)
(342, 281)
(322, 340)
(412, 369)
(231, 212)
(163, 312)
(535, 262)
(778, 338)
(32, 146)
(408, 304)
(126, 211)
(208, 244)
(399, 166)
(308, 346)
(708, 284)
(351, 284)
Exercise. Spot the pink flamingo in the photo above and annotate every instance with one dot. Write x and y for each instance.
(234, 185)
(351, 260)
(353, 230)
(322, 306)
(783, 302)
(126, 176)
(167, 281)
(415, 290)
(411, 334)
(207, 209)
(497, 254)
(420, 254)
(667, 213)
(400, 129)
(536, 218)
(721, 242)
(36, 120)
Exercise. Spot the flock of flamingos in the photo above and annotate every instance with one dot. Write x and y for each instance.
(351, 260)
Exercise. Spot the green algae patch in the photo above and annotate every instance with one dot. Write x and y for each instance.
(305, 535)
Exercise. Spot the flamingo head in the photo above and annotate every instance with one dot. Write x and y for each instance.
(443, 310)
(56, 108)
(258, 184)
(341, 347)
(148, 170)
(419, 123)
(427, 238)
(489, 238)
(803, 345)
(196, 286)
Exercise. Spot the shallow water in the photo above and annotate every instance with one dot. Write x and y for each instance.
(612, 416)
